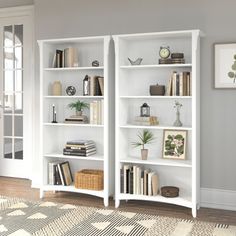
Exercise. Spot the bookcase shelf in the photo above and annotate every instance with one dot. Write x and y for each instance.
(155, 97)
(74, 97)
(158, 127)
(54, 136)
(71, 188)
(132, 91)
(156, 66)
(157, 161)
(89, 158)
(79, 125)
(74, 68)
(182, 201)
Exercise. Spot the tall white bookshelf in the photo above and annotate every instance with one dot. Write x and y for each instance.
(53, 136)
(132, 90)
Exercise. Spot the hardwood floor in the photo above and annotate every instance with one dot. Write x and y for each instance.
(22, 188)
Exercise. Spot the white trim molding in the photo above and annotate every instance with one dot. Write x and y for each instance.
(218, 199)
(27, 10)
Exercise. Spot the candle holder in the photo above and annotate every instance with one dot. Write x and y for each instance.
(54, 114)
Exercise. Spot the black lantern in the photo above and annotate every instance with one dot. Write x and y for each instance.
(145, 110)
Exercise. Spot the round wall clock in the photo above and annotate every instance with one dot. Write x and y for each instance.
(70, 90)
(164, 52)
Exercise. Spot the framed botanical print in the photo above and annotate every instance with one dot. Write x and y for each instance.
(174, 144)
(225, 65)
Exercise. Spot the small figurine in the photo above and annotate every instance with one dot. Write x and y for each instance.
(178, 123)
(54, 114)
(95, 63)
(136, 62)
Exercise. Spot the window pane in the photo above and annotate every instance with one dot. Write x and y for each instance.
(18, 149)
(19, 103)
(8, 103)
(8, 36)
(18, 126)
(8, 58)
(18, 81)
(18, 35)
(18, 57)
(8, 148)
(7, 125)
(8, 81)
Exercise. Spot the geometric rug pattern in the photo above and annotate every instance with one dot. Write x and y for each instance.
(19, 217)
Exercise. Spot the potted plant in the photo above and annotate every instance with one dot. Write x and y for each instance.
(79, 106)
(146, 137)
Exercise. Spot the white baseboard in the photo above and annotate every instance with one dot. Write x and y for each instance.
(218, 199)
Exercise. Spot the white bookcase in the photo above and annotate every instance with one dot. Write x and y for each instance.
(132, 90)
(55, 135)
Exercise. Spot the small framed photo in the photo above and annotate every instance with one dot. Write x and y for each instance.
(225, 65)
(174, 144)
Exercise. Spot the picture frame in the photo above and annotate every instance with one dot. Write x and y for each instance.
(225, 65)
(174, 144)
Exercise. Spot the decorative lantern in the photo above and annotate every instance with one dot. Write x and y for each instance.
(145, 110)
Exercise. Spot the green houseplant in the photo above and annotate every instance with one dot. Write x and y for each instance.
(146, 137)
(79, 106)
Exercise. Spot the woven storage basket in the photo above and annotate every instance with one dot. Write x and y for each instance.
(89, 179)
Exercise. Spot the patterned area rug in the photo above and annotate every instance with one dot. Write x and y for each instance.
(19, 217)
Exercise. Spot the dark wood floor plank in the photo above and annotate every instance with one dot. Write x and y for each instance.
(21, 188)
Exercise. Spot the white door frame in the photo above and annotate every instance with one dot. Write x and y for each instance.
(28, 13)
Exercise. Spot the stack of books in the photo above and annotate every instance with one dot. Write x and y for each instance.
(74, 119)
(97, 112)
(59, 173)
(137, 180)
(80, 148)
(151, 120)
(179, 84)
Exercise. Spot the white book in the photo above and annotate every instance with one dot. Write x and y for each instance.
(95, 112)
(102, 112)
(141, 186)
(139, 180)
(181, 86)
(150, 183)
(99, 112)
(91, 113)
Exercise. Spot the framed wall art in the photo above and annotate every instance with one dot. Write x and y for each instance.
(174, 144)
(225, 65)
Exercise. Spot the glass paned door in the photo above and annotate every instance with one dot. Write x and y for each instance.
(16, 96)
(13, 91)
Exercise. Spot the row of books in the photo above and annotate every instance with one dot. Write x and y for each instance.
(59, 173)
(136, 180)
(180, 84)
(93, 86)
(97, 112)
(65, 58)
(80, 148)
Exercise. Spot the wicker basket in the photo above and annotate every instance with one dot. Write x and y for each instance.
(89, 179)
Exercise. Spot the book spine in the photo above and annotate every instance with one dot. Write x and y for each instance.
(131, 181)
(61, 174)
(122, 180)
(91, 113)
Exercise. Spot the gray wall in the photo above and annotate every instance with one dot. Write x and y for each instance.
(67, 18)
(15, 3)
